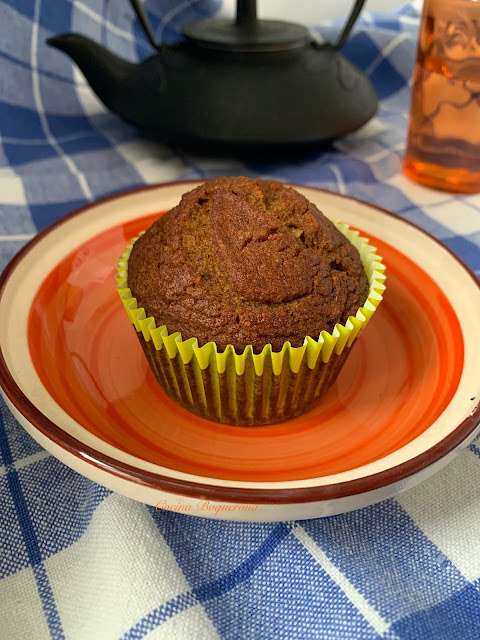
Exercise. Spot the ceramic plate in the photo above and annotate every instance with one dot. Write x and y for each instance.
(73, 373)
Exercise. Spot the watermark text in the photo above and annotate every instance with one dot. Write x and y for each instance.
(204, 506)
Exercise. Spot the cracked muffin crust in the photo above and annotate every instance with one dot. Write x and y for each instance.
(246, 262)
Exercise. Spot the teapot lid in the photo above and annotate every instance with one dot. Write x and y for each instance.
(256, 35)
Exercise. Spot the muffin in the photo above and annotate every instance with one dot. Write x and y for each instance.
(247, 299)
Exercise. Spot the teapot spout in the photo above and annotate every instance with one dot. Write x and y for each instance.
(104, 71)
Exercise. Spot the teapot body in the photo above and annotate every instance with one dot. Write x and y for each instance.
(230, 102)
(246, 101)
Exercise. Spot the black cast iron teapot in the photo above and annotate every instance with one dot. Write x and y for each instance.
(243, 85)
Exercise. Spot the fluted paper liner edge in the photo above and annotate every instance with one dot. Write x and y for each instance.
(251, 388)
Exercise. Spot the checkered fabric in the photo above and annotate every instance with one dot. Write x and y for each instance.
(79, 562)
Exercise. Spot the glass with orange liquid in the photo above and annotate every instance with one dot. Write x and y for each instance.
(443, 147)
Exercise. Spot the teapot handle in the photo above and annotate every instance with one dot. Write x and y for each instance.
(142, 18)
(352, 18)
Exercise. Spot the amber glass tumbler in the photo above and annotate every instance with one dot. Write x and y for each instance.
(443, 146)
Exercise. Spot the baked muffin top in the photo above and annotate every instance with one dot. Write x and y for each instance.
(242, 261)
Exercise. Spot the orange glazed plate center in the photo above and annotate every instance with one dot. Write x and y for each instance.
(399, 378)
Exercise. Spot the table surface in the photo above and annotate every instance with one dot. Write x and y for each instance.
(77, 561)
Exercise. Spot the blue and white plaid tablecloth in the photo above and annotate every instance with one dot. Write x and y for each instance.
(79, 562)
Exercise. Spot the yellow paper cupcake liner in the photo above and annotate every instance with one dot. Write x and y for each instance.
(249, 388)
